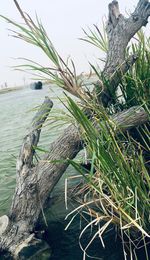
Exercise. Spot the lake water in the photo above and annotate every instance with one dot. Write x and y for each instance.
(17, 110)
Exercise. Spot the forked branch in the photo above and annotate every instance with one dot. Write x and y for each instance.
(120, 30)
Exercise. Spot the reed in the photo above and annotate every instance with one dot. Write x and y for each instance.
(118, 183)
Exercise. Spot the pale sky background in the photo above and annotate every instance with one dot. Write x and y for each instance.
(63, 20)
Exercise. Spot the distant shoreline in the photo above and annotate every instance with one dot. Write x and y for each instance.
(6, 90)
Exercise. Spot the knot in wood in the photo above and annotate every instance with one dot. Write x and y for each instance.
(32, 187)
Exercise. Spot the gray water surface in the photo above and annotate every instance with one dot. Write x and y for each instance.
(16, 112)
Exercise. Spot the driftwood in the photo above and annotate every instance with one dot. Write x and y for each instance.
(35, 182)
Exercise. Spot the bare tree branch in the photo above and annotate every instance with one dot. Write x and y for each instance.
(35, 182)
(119, 32)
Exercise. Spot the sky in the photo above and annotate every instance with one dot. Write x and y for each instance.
(63, 21)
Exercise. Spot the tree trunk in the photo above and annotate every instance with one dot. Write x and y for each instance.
(35, 182)
(120, 30)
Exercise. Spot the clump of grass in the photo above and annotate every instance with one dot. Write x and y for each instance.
(120, 186)
(117, 191)
(135, 85)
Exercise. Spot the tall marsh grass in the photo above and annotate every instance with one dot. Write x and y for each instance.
(118, 184)
(119, 187)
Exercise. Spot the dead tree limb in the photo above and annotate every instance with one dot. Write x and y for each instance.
(26, 198)
(102, 93)
(120, 30)
(35, 182)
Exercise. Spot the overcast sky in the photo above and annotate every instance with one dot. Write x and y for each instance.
(63, 20)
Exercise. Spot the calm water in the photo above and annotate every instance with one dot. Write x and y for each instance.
(17, 110)
(16, 113)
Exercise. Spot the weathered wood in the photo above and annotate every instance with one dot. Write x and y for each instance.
(4, 222)
(26, 195)
(103, 95)
(39, 182)
(35, 182)
(120, 30)
(130, 118)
